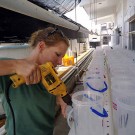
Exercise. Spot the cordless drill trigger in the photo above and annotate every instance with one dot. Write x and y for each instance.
(54, 70)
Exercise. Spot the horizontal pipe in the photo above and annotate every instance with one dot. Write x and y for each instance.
(27, 8)
(13, 46)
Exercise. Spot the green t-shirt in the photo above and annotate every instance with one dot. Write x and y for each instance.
(33, 106)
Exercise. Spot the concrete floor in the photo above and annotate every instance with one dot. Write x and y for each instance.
(61, 126)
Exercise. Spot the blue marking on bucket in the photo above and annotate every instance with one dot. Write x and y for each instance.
(87, 96)
(103, 90)
(104, 114)
(93, 77)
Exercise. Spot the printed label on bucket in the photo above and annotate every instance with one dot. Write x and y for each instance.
(123, 120)
(114, 106)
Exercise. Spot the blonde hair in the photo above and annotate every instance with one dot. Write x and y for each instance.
(50, 36)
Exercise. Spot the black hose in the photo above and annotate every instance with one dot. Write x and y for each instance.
(10, 106)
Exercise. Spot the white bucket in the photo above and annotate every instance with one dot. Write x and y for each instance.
(126, 115)
(119, 89)
(88, 113)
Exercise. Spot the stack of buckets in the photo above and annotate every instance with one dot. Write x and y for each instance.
(122, 75)
(88, 105)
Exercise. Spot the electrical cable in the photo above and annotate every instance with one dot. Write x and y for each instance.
(10, 106)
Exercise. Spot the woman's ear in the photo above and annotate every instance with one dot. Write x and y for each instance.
(42, 45)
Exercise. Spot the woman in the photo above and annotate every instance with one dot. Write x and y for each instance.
(33, 106)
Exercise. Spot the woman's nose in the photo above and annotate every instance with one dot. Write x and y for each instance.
(59, 61)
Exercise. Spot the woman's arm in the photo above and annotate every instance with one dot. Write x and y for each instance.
(62, 104)
(7, 67)
(30, 71)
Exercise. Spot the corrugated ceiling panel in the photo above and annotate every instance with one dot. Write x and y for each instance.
(58, 6)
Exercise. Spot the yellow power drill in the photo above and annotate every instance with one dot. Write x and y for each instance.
(50, 80)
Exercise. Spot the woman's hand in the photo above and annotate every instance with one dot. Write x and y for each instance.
(29, 70)
(62, 104)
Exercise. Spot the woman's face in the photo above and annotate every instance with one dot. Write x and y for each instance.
(53, 54)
